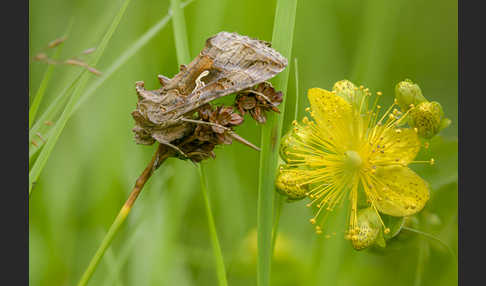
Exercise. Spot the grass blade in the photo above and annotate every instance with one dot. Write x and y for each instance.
(432, 237)
(66, 114)
(183, 57)
(40, 127)
(132, 50)
(56, 105)
(180, 33)
(120, 218)
(39, 95)
(282, 38)
(218, 256)
(280, 198)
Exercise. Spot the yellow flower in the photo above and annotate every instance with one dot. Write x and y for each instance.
(351, 151)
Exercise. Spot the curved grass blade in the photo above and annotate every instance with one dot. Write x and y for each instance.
(282, 38)
(432, 237)
(67, 112)
(55, 106)
(39, 95)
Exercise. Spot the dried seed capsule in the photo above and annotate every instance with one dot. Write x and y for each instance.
(288, 186)
(368, 229)
(408, 93)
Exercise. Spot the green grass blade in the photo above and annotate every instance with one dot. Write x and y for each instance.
(218, 256)
(54, 108)
(127, 54)
(66, 114)
(434, 238)
(183, 57)
(180, 33)
(57, 104)
(280, 198)
(39, 95)
(117, 223)
(282, 38)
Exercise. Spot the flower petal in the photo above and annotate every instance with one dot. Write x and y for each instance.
(401, 191)
(399, 146)
(329, 110)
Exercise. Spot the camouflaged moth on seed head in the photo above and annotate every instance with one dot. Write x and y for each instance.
(229, 63)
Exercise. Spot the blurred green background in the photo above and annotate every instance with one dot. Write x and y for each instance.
(165, 240)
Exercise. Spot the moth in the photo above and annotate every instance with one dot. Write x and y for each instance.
(229, 63)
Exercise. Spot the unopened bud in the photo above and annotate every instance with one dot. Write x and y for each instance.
(368, 229)
(288, 186)
(348, 91)
(408, 93)
(298, 134)
(427, 117)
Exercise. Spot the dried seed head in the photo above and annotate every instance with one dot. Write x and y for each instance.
(56, 42)
(258, 100)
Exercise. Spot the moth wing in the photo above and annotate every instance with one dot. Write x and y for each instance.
(236, 63)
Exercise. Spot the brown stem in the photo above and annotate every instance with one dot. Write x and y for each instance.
(160, 155)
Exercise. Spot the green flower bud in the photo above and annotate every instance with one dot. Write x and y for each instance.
(368, 230)
(427, 118)
(288, 186)
(297, 133)
(407, 93)
(347, 90)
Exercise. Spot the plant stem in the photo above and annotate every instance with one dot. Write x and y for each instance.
(160, 155)
(432, 237)
(283, 31)
(218, 256)
(183, 57)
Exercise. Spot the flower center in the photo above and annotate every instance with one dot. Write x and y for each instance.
(353, 160)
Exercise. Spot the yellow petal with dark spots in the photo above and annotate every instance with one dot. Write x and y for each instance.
(400, 146)
(401, 191)
(331, 112)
